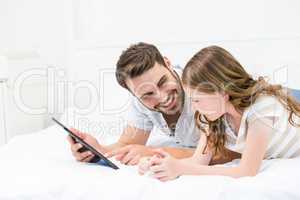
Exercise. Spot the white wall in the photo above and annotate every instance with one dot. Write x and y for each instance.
(263, 35)
(85, 38)
(34, 34)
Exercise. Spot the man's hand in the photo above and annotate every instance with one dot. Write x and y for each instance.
(131, 154)
(87, 155)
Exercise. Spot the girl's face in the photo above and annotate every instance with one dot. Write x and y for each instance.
(212, 106)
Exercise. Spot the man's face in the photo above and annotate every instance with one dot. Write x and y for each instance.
(158, 89)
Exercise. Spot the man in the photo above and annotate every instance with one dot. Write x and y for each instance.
(157, 100)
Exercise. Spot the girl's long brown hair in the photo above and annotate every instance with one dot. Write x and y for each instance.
(213, 69)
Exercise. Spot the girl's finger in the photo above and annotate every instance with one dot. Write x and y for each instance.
(143, 165)
(141, 171)
(155, 160)
(157, 168)
(159, 175)
(164, 179)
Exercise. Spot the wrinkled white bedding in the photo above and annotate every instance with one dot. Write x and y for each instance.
(40, 166)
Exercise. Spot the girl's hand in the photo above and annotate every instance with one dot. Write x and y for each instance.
(144, 165)
(164, 167)
(146, 162)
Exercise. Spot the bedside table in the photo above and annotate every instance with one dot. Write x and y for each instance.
(3, 107)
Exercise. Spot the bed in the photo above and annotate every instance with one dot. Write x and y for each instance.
(40, 166)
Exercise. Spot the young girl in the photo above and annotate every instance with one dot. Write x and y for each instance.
(233, 111)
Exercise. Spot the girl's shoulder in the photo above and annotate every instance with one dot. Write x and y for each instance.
(264, 99)
(265, 106)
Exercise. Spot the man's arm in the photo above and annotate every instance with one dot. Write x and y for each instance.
(179, 152)
(128, 149)
(131, 147)
(130, 135)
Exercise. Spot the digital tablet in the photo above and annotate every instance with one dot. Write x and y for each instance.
(98, 157)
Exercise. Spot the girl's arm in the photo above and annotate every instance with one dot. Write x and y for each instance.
(168, 168)
(199, 157)
(256, 145)
(202, 154)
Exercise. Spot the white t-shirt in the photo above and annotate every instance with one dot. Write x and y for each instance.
(285, 138)
(186, 133)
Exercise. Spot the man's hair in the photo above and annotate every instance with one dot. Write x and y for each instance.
(136, 60)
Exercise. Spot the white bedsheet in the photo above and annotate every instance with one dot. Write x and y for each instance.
(40, 166)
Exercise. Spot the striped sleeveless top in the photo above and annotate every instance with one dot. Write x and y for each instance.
(285, 138)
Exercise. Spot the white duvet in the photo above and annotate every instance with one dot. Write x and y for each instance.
(40, 166)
